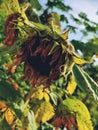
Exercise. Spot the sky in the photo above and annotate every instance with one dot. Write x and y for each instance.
(90, 7)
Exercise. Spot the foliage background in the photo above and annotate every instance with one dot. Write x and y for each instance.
(88, 50)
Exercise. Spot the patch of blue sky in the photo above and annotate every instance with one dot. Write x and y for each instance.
(90, 7)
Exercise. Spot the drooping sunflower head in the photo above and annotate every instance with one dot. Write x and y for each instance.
(43, 48)
(40, 66)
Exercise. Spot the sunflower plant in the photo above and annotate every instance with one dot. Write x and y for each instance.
(40, 72)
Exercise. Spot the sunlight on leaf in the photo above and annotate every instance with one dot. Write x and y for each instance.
(71, 86)
(9, 116)
(44, 113)
(84, 81)
(75, 106)
(79, 60)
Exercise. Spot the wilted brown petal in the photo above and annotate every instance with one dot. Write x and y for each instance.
(10, 29)
(40, 68)
(46, 50)
(55, 56)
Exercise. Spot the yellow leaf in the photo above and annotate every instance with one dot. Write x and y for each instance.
(17, 5)
(46, 96)
(65, 34)
(44, 112)
(13, 5)
(38, 94)
(77, 107)
(71, 86)
(9, 116)
(79, 60)
(83, 125)
(3, 106)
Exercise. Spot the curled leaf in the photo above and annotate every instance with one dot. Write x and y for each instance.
(84, 81)
(79, 110)
(9, 116)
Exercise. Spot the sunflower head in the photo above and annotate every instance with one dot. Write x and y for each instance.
(40, 66)
(44, 51)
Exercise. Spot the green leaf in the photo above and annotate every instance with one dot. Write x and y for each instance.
(4, 125)
(54, 98)
(28, 120)
(18, 107)
(93, 84)
(78, 45)
(46, 126)
(2, 74)
(80, 78)
(36, 4)
(84, 82)
(78, 21)
(54, 22)
(83, 16)
(58, 4)
(90, 49)
(7, 91)
(56, 92)
(63, 18)
(31, 120)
